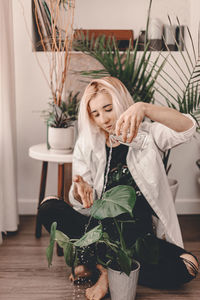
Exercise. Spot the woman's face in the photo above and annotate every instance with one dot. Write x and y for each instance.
(102, 113)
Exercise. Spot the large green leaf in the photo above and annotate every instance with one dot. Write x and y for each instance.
(118, 200)
(68, 247)
(124, 262)
(69, 251)
(49, 250)
(90, 237)
(61, 238)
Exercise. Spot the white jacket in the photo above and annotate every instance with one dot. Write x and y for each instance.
(145, 166)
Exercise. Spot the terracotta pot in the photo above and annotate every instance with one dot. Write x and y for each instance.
(123, 287)
(61, 140)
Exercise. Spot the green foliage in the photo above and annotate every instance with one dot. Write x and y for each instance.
(132, 67)
(118, 200)
(189, 103)
(62, 116)
(116, 250)
(49, 250)
(141, 74)
(183, 96)
(90, 237)
(69, 249)
(72, 105)
(124, 261)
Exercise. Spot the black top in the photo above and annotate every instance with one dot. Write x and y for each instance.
(119, 174)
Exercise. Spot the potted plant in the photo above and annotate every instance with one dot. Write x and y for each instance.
(54, 25)
(114, 202)
(60, 124)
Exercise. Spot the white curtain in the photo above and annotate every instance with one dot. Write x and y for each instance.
(8, 186)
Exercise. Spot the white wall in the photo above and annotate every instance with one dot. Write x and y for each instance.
(32, 93)
(31, 96)
(127, 14)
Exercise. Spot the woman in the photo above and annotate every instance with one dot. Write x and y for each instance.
(106, 108)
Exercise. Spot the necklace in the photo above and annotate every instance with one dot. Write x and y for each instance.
(108, 166)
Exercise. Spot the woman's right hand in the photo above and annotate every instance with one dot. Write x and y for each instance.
(82, 191)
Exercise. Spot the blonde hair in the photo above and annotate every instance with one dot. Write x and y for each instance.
(121, 101)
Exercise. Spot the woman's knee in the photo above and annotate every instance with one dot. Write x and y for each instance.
(49, 198)
(51, 203)
(50, 209)
(191, 263)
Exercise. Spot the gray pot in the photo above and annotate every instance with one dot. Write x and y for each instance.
(123, 287)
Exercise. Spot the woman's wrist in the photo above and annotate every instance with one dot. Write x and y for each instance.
(147, 108)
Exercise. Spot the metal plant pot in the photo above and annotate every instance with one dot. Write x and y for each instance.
(123, 287)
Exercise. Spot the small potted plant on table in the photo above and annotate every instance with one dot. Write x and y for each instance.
(60, 124)
(56, 45)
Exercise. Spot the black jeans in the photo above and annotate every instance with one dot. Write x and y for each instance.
(169, 272)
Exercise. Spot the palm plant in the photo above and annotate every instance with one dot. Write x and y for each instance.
(183, 95)
(130, 66)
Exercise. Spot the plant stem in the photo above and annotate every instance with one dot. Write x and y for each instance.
(147, 24)
(122, 242)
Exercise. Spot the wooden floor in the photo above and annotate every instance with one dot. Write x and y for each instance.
(24, 274)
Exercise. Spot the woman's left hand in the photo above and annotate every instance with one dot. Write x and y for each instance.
(129, 121)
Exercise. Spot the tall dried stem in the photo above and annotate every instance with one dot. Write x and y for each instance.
(58, 46)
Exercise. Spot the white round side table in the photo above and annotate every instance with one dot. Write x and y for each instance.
(40, 152)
